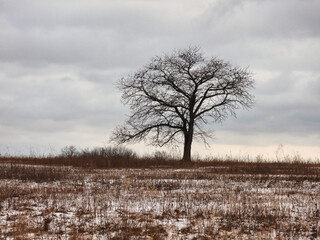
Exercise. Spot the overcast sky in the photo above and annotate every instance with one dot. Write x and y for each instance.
(60, 60)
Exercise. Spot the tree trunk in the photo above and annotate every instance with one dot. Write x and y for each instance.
(188, 134)
(187, 147)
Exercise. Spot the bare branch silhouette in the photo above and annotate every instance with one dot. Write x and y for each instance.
(177, 95)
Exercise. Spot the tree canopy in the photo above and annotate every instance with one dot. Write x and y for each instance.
(176, 96)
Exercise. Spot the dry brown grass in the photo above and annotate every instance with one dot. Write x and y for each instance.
(82, 198)
(23, 165)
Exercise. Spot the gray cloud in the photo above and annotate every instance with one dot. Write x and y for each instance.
(237, 20)
(59, 61)
(287, 104)
(78, 32)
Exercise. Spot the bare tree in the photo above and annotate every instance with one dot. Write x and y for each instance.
(177, 95)
(69, 151)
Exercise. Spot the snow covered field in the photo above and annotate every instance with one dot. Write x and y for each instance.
(41, 202)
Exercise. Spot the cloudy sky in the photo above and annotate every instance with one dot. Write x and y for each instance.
(60, 60)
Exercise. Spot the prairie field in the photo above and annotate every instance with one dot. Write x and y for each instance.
(79, 198)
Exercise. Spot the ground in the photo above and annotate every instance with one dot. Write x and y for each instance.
(209, 202)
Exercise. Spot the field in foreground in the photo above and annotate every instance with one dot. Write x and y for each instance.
(217, 201)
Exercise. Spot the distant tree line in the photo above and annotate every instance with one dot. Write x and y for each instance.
(103, 152)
